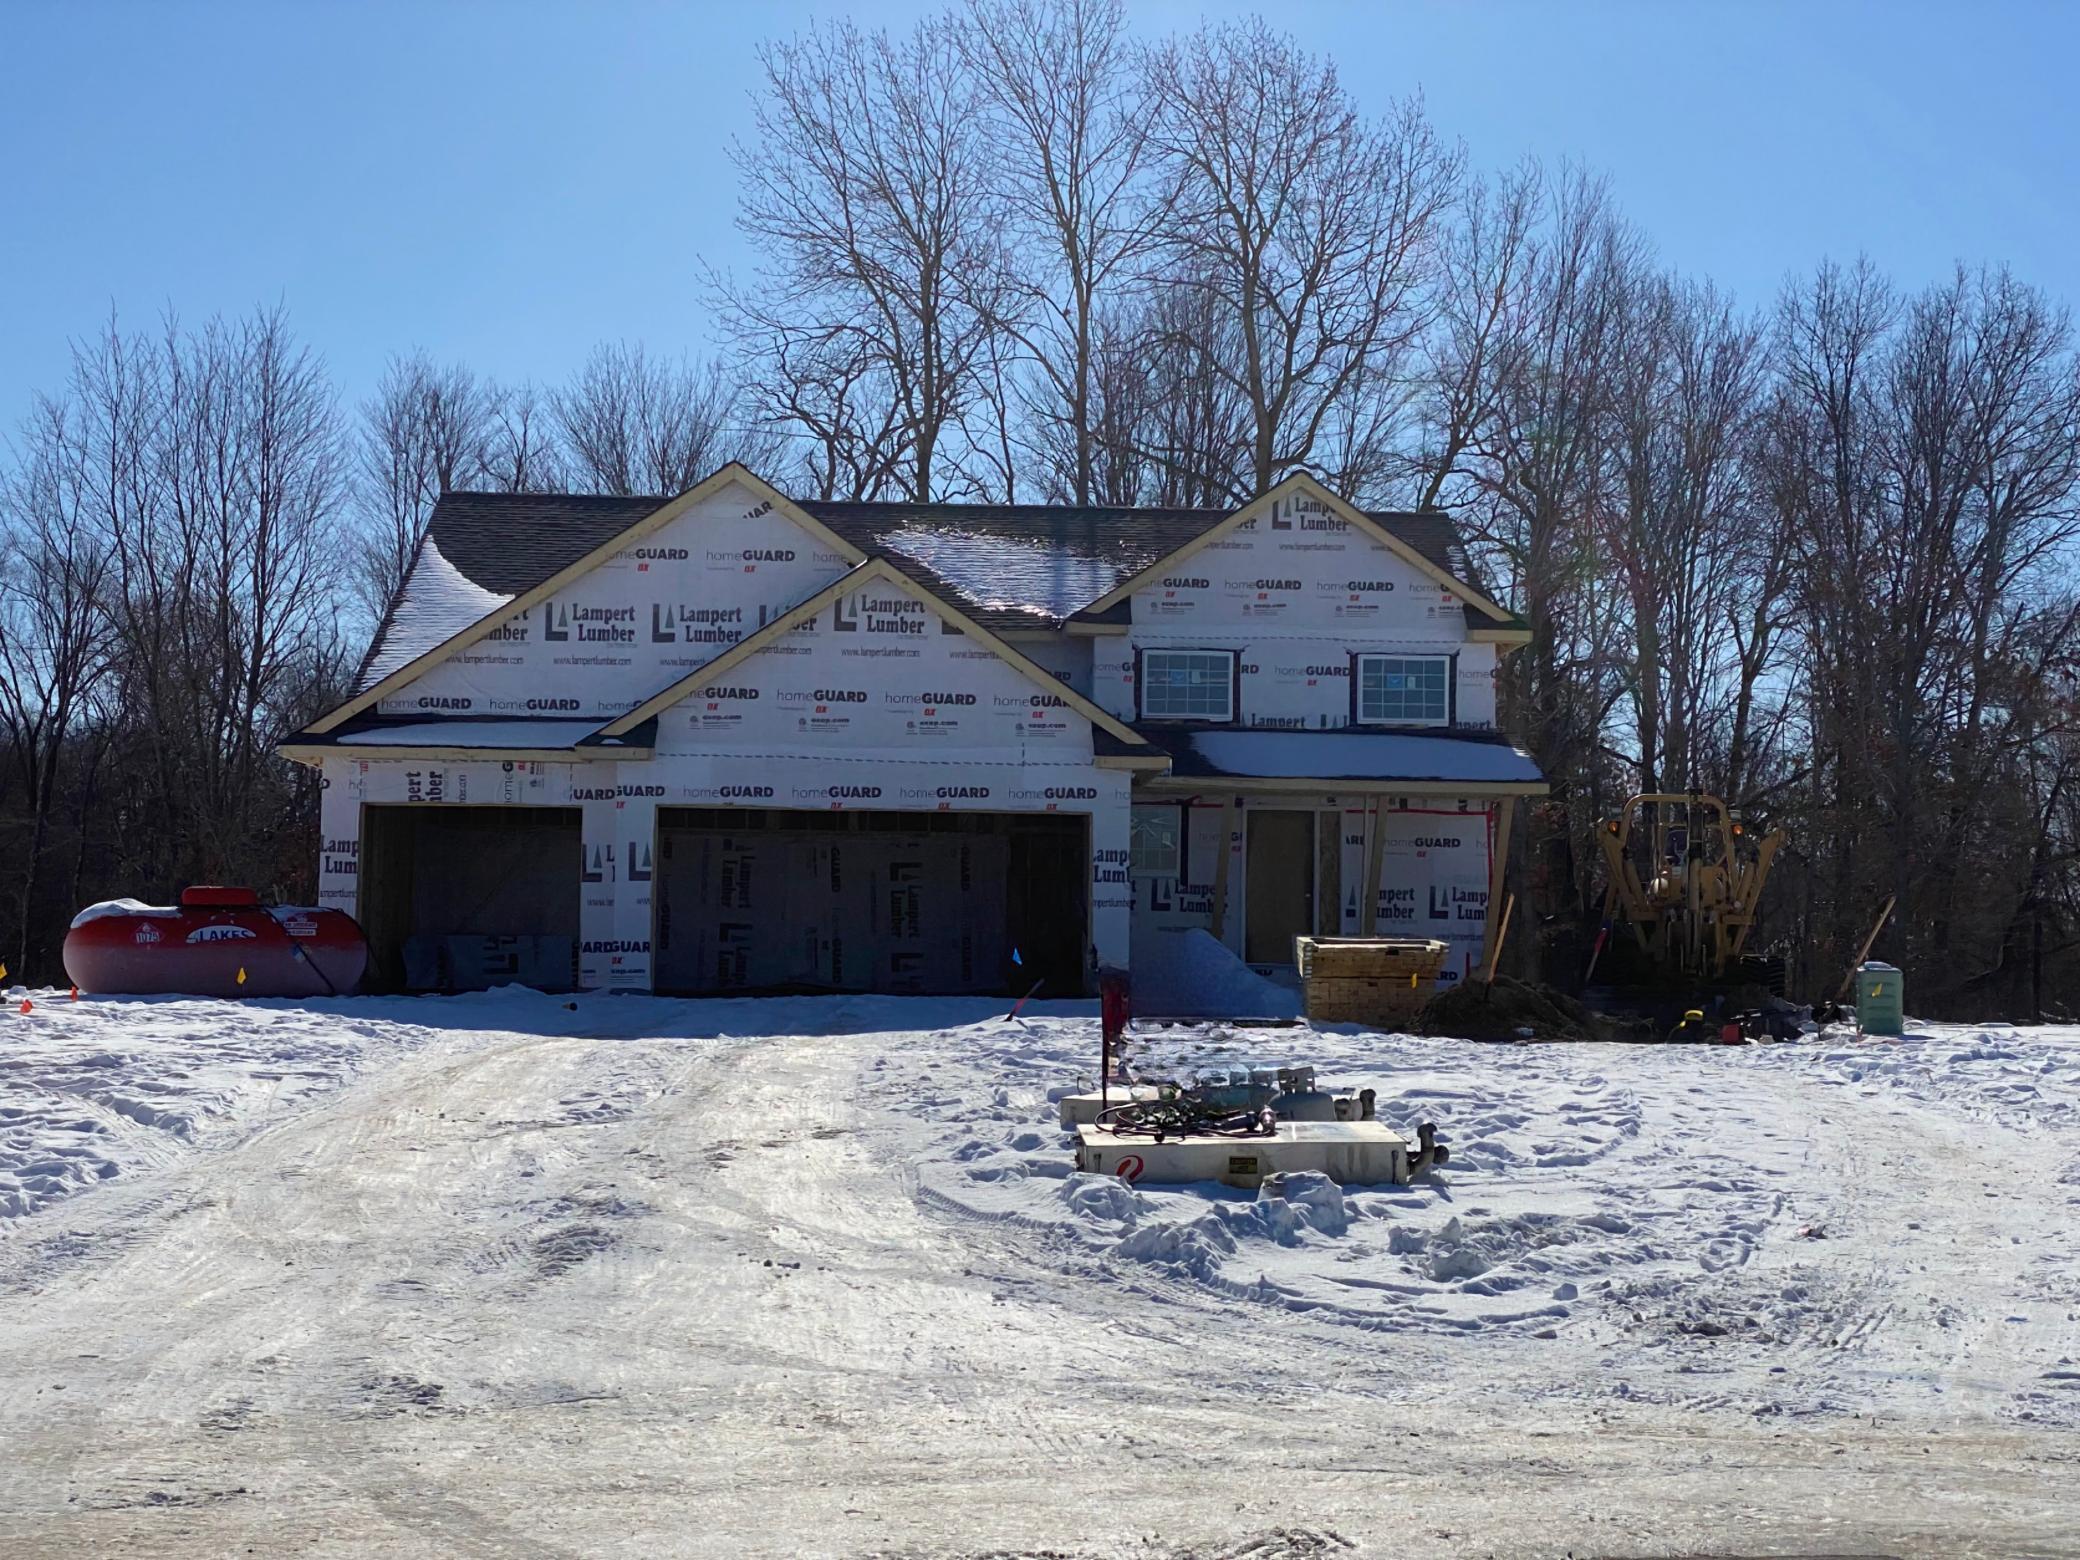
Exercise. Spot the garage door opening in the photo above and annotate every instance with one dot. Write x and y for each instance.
(465, 898)
(773, 900)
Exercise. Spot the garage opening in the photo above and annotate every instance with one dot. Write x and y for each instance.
(774, 900)
(465, 898)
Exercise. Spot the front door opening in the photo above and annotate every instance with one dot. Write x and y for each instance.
(1279, 902)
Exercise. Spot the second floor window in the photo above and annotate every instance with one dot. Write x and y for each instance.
(1188, 685)
(1404, 690)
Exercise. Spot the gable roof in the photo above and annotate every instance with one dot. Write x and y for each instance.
(1457, 581)
(1009, 567)
(481, 551)
(867, 573)
(445, 584)
(1039, 565)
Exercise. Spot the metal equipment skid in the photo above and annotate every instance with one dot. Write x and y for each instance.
(1351, 1153)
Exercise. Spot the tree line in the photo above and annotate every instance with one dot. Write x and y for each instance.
(1812, 553)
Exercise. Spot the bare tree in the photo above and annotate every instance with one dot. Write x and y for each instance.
(1120, 413)
(1931, 475)
(1824, 565)
(1765, 617)
(632, 424)
(1526, 461)
(1542, 469)
(1192, 423)
(170, 600)
(1486, 269)
(864, 186)
(1068, 128)
(222, 532)
(53, 628)
(1677, 527)
(520, 453)
(424, 433)
(1830, 338)
(823, 389)
(992, 455)
(1982, 446)
(1315, 232)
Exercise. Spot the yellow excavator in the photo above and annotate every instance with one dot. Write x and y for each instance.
(1685, 876)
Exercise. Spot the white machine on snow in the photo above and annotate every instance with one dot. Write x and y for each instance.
(1239, 1126)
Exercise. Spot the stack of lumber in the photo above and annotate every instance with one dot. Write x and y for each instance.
(1367, 980)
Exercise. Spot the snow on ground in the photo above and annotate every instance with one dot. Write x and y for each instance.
(1648, 1202)
(522, 1275)
(90, 1089)
(84, 1099)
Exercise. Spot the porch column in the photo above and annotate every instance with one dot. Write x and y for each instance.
(339, 836)
(614, 887)
(1112, 889)
(1375, 848)
(1498, 869)
(1221, 868)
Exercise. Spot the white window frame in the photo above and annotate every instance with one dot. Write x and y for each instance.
(1225, 716)
(1172, 817)
(1444, 718)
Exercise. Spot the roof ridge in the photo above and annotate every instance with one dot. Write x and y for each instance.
(984, 503)
(814, 504)
(653, 499)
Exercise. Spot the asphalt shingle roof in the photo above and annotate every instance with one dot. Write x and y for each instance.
(1009, 566)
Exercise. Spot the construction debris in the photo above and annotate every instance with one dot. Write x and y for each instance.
(1509, 1009)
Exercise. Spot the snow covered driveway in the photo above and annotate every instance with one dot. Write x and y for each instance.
(502, 1276)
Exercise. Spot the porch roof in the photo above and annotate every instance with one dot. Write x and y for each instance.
(1347, 758)
(455, 737)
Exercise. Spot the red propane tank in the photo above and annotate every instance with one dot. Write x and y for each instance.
(198, 948)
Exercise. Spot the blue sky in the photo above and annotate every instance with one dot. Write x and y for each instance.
(508, 183)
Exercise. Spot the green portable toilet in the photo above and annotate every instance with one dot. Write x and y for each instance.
(1880, 1004)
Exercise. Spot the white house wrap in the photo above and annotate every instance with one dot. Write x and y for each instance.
(729, 742)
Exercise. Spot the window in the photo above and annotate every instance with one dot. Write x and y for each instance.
(1153, 847)
(1404, 690)
(1188, 685)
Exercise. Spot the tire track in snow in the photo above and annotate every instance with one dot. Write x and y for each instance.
(931, 1383)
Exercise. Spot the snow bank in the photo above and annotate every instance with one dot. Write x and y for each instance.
(1193, 975)
(96, 1088)
(101, 1087)
(1648, 1202)
(1402, 1257)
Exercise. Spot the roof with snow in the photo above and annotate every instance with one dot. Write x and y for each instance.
(1008, 566)
(1348, 754)
(477, 733)
(491, 735)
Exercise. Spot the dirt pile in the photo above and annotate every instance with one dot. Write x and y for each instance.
(1513, 1010)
